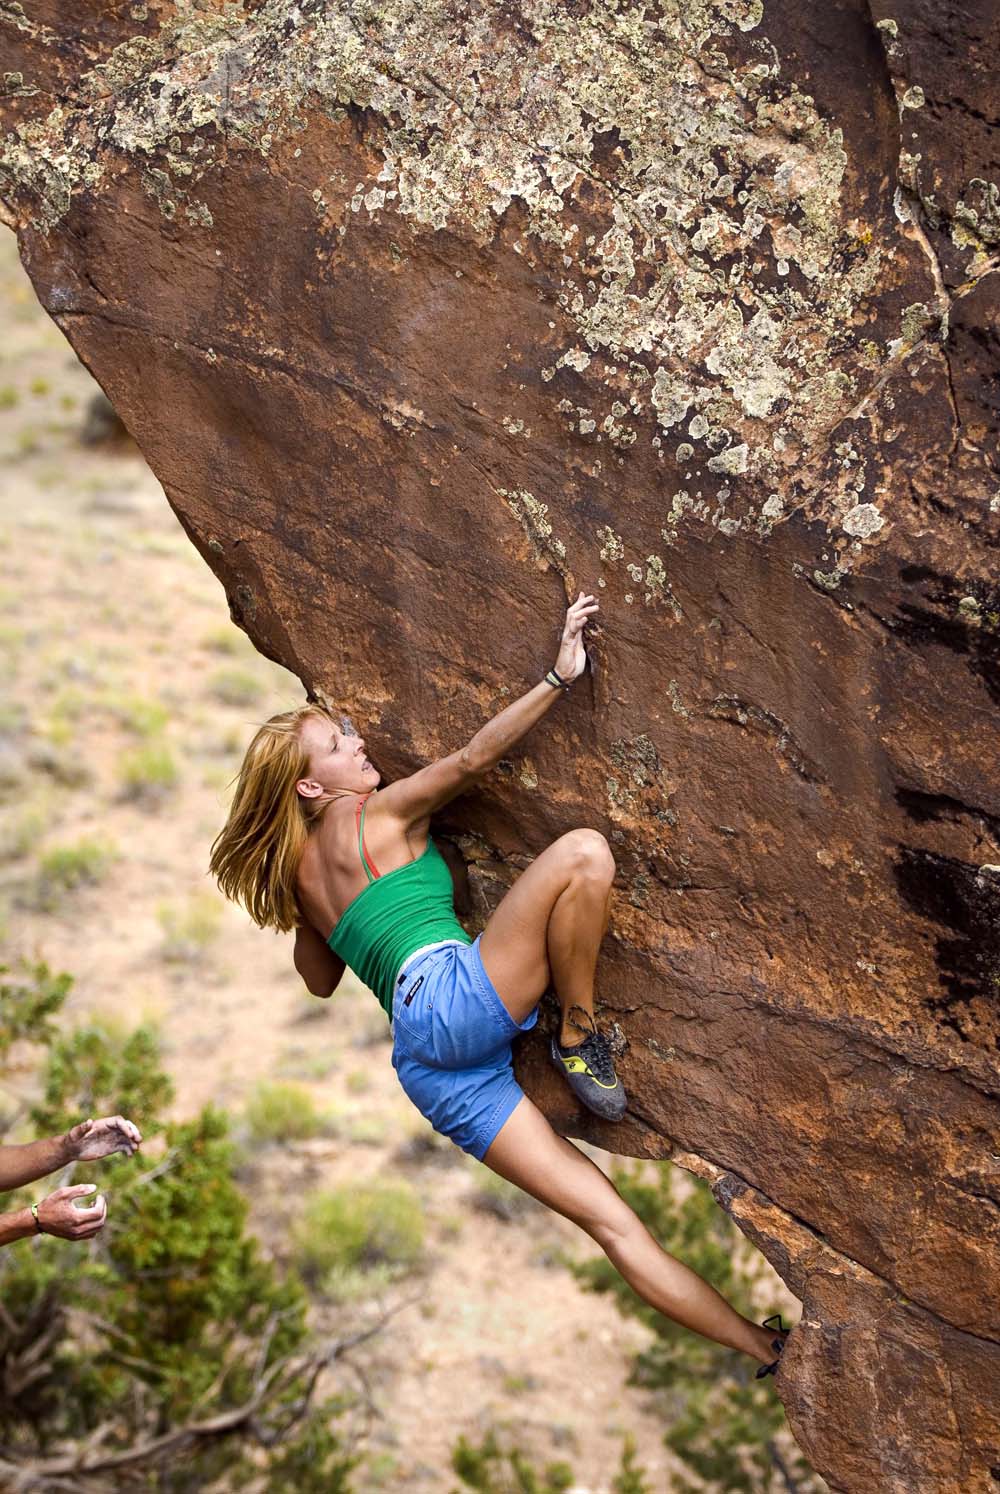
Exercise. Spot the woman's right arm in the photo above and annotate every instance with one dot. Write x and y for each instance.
(415, 798)
(319, 967)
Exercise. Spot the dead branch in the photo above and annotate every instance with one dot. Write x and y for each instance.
(80, 1463)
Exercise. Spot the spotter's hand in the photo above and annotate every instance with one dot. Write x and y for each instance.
(572, 660)
(93, 1139)
(59, 1214)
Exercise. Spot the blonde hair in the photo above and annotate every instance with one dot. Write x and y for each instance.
(255, 857)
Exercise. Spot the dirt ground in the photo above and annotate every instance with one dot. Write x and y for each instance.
(128, 697)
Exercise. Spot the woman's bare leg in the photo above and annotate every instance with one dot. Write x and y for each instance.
(549, 926)
(577, 925)
(529, 1153)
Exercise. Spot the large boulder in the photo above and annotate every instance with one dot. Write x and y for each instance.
(426, 315)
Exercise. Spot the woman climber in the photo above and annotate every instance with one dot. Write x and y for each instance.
(313, 843)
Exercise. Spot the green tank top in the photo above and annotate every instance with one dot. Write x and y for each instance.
(396, 913)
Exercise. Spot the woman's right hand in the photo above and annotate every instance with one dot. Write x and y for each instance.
(572, 660)
(58, 1214)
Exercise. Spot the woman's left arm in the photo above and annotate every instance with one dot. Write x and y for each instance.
(316, 962)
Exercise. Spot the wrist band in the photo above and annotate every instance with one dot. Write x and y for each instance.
(556, 680)
(38, 1222)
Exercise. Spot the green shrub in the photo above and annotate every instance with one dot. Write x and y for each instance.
(235, 687)
(630, 1478)
(518, 1384)
(137, 714)
(64, 869)
(492, 1468)
(495, 1195)
(14, 719)
(173, 1317)
(29, 996)
(66, 711)
(302, 1061)
(12, 640)
(381, 1471)
(63, 764)
(189, 928)
(498, 1466)
(149, 772)
(21, 831)
(351, 1284)
(9, 397)
(28, 440)
(367, 1130)
(314, 1462)
(359, 1227)
(225, 640)
(283, 1112)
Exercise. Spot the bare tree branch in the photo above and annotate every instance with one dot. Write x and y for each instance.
(166, 1162)
(81, 1463)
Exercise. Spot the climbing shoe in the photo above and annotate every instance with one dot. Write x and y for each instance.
(589, 1070)
(777, 1344)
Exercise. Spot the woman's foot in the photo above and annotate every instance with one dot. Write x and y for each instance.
(589, 1068)
(771, 1347)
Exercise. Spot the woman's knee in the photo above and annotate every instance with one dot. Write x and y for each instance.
(613, 1229)
(588, 853)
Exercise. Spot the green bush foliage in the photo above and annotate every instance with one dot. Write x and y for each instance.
(504, 1200)
(283, 1112)
(498, 1466)
(29, 997)
(235, 687)
(138, 714)
(225, 640)
(64, 869)
(727, 1426)
(370, 1225)
(21, 831)
(148, 772)
(495, 1468)
(167, 1319)
(190, 927)
(64, 765)
(630, 1478)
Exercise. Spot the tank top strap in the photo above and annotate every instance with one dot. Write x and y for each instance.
(366, 861)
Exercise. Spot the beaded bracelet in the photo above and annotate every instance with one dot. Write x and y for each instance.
(556, 680)
(38, 1222)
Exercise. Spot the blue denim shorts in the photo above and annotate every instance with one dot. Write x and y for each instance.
(451, 1047)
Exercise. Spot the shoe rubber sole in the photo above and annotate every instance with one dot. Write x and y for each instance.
(608, 1104)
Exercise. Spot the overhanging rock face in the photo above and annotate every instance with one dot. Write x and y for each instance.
(427, 315)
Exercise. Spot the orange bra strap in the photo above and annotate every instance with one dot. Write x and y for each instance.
(371, 870)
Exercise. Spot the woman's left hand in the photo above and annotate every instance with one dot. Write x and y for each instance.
(93, 1139)
(572, 660)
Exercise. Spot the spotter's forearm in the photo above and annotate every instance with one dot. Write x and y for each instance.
(20, 1165)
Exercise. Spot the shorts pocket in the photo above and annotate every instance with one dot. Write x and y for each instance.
(413, 1012)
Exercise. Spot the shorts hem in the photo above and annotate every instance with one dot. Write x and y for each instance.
(491, 997)
(499, 1116)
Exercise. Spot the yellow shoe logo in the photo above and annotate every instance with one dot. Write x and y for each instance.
(578, 1066)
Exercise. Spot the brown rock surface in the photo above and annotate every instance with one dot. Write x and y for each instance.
(423, 316)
